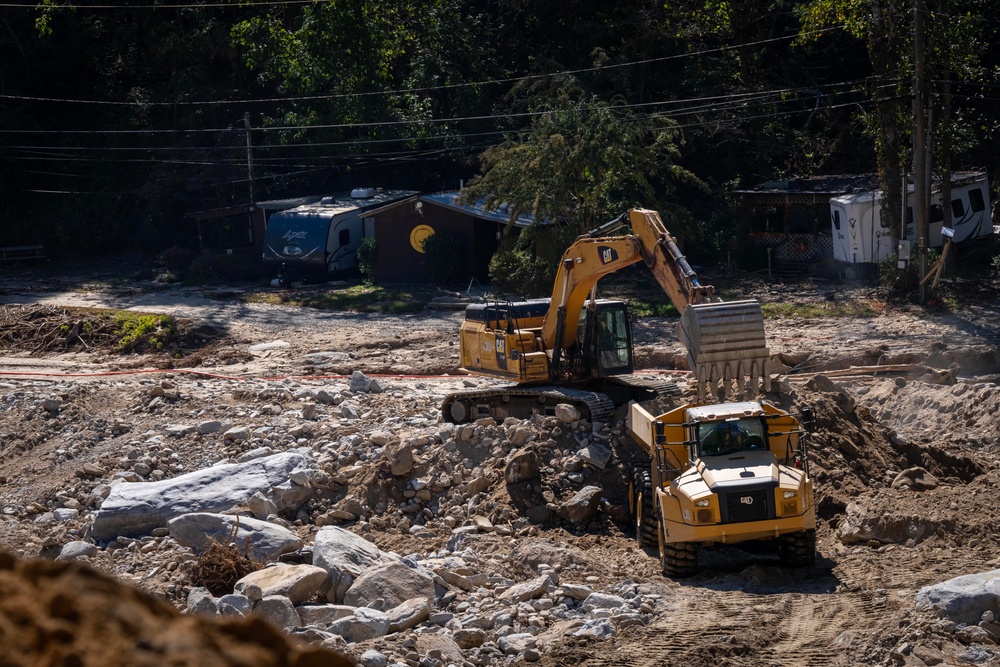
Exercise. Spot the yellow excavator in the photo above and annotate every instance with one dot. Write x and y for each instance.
(575, 348)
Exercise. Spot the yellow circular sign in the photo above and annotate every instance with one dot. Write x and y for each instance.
(420, 234)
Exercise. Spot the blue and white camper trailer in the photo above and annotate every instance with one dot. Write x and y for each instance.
(321, 239)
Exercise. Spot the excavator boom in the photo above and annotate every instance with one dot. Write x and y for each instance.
(727, 350)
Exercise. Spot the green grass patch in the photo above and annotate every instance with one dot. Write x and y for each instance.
(823, 309)
(394, 300)
(644, 308)
(147, 330)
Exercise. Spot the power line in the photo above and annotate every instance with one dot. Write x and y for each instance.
(238, 161)
(207, 5)
(732, 97)
(404, 91)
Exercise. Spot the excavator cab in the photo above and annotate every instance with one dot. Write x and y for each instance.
(605, 337)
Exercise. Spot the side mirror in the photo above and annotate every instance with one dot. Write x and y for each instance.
(808, 420)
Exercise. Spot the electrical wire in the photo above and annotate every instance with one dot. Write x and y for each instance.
(717, 102)
(407, 91)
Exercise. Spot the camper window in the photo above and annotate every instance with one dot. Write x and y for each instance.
(345, 237)
(976, 200)
(937, 214)
(836, 220)
(957, 208)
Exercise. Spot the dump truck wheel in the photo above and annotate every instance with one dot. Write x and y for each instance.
(678, 560)
(798, 549)
(631, 498)
(647, 524)
(633, 487)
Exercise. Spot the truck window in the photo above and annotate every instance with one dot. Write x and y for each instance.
(735, 435)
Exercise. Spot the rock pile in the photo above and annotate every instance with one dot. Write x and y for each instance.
(308, 479)
(381, 532)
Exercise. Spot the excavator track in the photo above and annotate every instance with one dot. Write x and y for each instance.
(625, 388)
(523, 402)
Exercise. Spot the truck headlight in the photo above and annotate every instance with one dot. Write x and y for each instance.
(789, 494)
(704, 502)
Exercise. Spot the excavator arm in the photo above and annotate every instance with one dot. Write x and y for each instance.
(725, 341)
(666, 262)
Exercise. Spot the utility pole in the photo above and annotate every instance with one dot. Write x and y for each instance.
(921, 147)
(246, 121)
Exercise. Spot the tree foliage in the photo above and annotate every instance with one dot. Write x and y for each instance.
(440, 250)
(120, 120)
(581, 164)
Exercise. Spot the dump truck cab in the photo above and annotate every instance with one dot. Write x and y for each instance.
(722, 474)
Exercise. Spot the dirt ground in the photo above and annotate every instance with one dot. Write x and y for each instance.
(854, 607)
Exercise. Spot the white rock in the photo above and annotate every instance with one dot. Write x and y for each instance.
(133, 509)
(298, 583)
(77, 549)
(344, 555)
(279, 610)
(261, 539)
(364, 624)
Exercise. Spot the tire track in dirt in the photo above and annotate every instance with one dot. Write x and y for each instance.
(812, 626)
(753, 618)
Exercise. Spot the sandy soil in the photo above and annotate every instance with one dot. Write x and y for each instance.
(852, 608)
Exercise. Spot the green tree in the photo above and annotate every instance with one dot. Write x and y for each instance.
(581, 164)
(885, 29)
(441, 252)
(368, 259)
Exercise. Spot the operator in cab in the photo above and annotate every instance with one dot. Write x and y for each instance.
(728, 437)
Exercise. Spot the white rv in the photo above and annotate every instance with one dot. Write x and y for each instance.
(322, 238)
(861, 236)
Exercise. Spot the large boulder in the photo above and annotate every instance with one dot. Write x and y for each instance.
(394, 583)
(344, 556)
(133, 509)
(260, 539)
(410, 614)
(885, 525)
(556, 554)
(298, 583)
(963, 599)
(582, 507)
(523, 465)
(362, 625)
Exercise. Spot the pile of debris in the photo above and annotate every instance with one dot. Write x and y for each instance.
(370, 527)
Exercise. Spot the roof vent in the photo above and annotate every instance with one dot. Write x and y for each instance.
(362, 193)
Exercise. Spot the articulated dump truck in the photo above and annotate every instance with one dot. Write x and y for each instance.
(722, 474)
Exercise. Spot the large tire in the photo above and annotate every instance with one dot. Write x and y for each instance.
(647, 523)
(797, 549)
(678, 560)
(633, 488)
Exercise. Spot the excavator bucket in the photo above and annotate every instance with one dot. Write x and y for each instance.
(727, 351)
